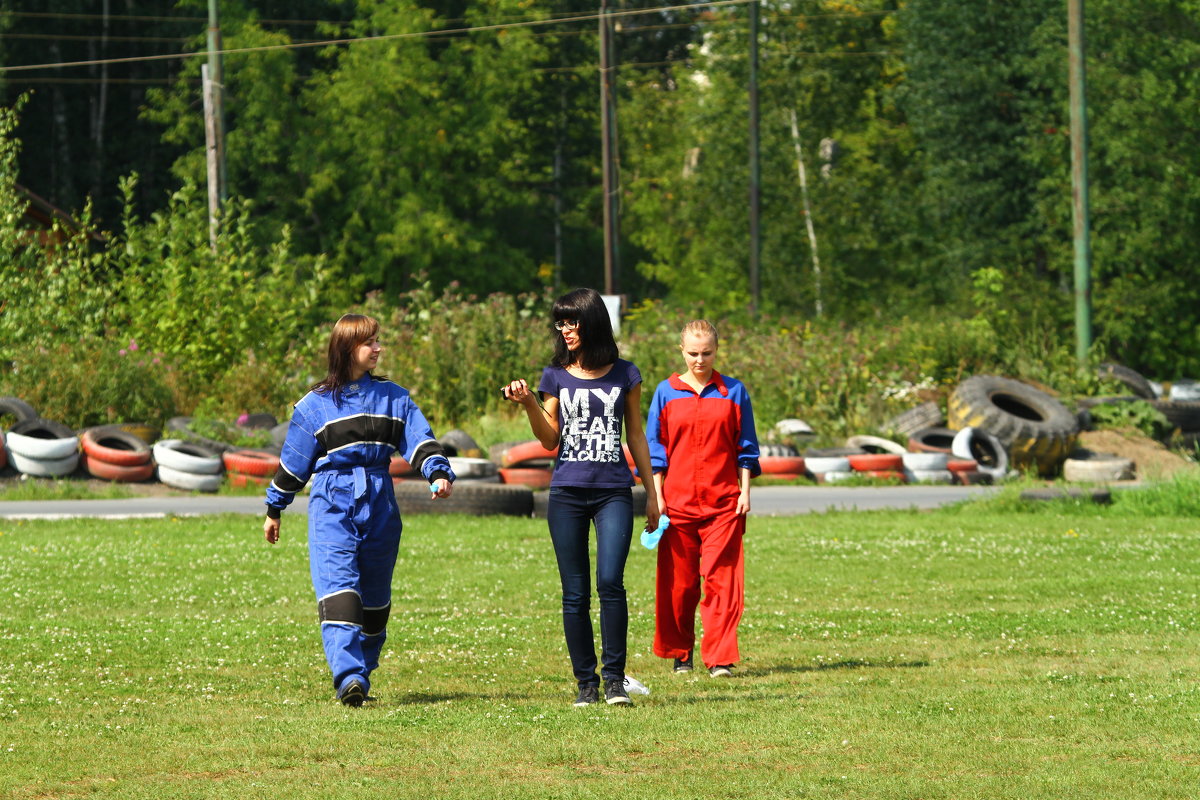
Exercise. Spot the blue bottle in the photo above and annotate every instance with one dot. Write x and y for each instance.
(650, 538)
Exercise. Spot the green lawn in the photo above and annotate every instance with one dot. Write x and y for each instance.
(986, 653)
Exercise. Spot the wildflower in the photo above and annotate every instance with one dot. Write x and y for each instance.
(121, 352)
(132, 345)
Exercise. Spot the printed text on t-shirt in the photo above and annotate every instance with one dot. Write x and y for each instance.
(599, 440)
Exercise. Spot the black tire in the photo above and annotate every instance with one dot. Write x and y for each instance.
(459, 443)
(475, 499)
(1099, 496)
(279, 433)
(1184, 417)
(931, 440)
(260, 421)
(1037, 430)
(926, 415)
(1131, 378)
(42, 429)
(777, 451)
(17, 408)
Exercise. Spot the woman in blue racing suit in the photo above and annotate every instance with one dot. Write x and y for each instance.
(342, 435)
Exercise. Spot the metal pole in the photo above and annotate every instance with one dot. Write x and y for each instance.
(218, 79)
(606, 150)
(755, 245)
(1079, 180)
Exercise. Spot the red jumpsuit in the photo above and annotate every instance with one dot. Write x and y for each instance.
(700, 442)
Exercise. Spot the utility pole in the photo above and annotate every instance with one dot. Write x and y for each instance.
(608, 132)
(1079, 180)
(217, 77)
(210, 155)
(755, 243)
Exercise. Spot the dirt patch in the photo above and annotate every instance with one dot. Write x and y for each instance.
(1152, 459)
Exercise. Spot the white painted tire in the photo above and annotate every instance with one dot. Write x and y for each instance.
(167, 453)
(939, 476)
(837, 475)
(1098, 469)
(960, 447)
(42, 467)
(819, 465)
(874, 444)
(42, 449)
(925, 462)
(473, 467)
(190, 481)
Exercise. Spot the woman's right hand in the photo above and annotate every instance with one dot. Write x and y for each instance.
(271, 530)
(518, 392)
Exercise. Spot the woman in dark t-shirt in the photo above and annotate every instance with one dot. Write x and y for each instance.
(589, 394)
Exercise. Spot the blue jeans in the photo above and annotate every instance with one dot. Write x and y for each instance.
(570, 513)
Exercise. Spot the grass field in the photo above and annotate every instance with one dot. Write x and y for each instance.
(987, 652)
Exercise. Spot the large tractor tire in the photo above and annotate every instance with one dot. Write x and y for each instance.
(1037, 430)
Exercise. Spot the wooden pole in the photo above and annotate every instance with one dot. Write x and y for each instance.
(210, 152)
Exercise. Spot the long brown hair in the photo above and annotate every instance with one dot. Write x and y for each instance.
(348, 333)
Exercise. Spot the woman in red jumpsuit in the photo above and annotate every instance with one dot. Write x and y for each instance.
(703, 452)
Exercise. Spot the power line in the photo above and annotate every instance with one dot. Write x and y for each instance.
(379, 38)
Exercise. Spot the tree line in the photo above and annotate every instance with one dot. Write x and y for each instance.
(933, 136)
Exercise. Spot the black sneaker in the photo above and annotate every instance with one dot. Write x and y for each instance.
(587, 696)
(721, 671)
(353, 694)
(684, 664)
(615, 694)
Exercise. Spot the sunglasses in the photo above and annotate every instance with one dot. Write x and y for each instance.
(566, 324)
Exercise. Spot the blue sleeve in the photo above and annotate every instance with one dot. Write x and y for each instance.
(421, 449)
(299, 454)
(633, 376)
(549, 383)
(747, 456)
(656, 433)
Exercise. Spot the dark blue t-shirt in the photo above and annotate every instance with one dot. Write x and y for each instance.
(591, 413)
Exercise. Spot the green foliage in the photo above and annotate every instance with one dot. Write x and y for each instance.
(92, 381)
(454, 351)
(1137, 414)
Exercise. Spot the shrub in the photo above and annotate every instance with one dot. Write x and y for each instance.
(92, 382)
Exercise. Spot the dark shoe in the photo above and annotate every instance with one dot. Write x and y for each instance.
(721, 671)
(684, 664)
(353, 693)
(587, 696)
(615, 694)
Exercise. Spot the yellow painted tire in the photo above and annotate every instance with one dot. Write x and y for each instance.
(1037, 430)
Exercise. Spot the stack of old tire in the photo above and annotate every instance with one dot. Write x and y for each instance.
(830, 464)
(525, 463)
(188, 465)
(247, 467)
(931, 457)
(40, 447)
(1034, 430)
(478, 491)
(781, 462)
(113, 453)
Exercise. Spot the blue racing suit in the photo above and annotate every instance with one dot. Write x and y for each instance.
(344, 444)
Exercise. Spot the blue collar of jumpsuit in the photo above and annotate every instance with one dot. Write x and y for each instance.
(716, 380)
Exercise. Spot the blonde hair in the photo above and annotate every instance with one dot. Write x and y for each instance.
(699, 328)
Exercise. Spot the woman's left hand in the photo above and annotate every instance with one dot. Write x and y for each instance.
(743, 503)
(652, 513)
(444, 487)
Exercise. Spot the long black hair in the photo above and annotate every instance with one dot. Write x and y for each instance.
(597, 347)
